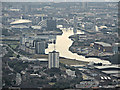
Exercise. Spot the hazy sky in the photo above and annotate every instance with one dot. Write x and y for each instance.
(59, 0)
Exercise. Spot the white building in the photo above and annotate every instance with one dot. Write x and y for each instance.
(53, 59)
(70, 73)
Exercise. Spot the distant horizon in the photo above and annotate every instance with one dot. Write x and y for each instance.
(60, 1)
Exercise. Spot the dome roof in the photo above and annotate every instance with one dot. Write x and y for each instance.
(20, 21)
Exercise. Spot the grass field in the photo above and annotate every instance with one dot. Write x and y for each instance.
(10, 42)
(14, 55)
(72, 62)
(39, 56)
(62, 60)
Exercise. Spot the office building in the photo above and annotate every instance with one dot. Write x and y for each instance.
(53, 60)
(51, 24)
(23, 39)
(75, 25)
(115, 47)
(40, 47)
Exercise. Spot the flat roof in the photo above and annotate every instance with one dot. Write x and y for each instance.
(111, 72)
(110, 66)
(116, 75)
(42, 59)
(36, 27)
(101, 27)
(77, 65)
(103, 44)
(20, 21)
(54, 52)
(19, 26)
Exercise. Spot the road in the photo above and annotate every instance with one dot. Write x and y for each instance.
(21, 56)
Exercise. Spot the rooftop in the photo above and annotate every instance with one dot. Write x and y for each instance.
(104, 44)
(53, 52)
(19, 26)
(102, 27)
(109, 66)
(20, 21)
(111, 72)
(36, 27)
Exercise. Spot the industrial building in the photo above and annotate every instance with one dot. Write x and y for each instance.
(105, 47)
(53, 60)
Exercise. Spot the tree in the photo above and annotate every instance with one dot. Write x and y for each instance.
(53, 80)
(42, 77)
(18, 56)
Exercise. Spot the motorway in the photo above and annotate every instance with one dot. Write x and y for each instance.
(21, 56)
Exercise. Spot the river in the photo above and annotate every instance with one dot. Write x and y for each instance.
(62, 46)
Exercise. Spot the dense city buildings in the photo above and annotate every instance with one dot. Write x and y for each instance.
(60, 45)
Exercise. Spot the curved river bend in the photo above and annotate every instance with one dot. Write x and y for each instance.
(62, 46)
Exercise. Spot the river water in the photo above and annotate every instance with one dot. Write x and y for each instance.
(62, 46)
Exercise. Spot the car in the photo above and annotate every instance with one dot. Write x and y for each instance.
(102, 78)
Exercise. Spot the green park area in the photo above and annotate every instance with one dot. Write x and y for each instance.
(13, 46)
(62, 60)
(72, 61)
(10, 42)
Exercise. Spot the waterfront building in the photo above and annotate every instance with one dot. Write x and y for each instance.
(102, 46)
(40, 47)
(53, 60)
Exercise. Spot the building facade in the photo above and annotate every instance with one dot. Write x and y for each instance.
(115, 47)
(51, 24)
(40, 47)
(105, 47)
(53, 60)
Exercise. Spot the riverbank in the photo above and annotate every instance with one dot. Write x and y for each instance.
(83, 44)
(63, 60)
(63, 42)
(90, 52)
